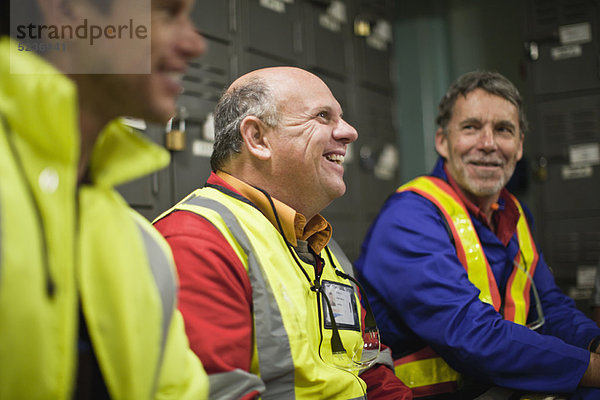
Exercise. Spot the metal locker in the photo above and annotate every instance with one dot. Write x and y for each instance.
(150, 194)
(576, 244)
(562, 53)
(562, 45)
(570, 130)
(204, 82)
(375, 130)
(272, 28)
(212, 17)
(373, 64)
(568, 121)
(251, 61)
(327, 34)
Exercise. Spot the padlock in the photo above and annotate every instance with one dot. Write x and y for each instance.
(175, 138)
(541, 169)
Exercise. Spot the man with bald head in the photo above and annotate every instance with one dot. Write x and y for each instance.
(259, 275)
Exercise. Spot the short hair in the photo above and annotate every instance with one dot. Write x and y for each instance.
(491, 82)
(252, 98)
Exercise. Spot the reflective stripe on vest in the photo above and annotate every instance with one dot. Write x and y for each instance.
(274, 353)
(517, 304)
(428, 372)
(162, 271)
(246, 382)
(468, 247)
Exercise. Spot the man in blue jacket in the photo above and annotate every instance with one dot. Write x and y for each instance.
(459, 288)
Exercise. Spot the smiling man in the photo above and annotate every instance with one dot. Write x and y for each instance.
(87, 286)
(463, 295)
(259, 275)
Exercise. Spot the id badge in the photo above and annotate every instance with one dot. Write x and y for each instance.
(343, 303)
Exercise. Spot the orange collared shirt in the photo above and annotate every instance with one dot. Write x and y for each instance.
(317, 231)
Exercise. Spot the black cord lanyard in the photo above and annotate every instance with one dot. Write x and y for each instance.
(336, 341)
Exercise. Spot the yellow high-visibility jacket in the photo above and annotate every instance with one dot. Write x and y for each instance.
(292, 355)
(64, 246)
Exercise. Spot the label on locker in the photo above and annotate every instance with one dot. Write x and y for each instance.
(572, 172)
(584, 154)
(274, 5)
(329, 23)
(563, 52)
(201, 148)
(586, 276)
(575, 33)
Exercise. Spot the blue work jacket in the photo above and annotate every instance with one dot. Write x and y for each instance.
(421, 295)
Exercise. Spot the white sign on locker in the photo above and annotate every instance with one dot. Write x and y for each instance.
(575, 33)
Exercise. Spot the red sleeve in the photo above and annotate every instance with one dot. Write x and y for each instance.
(215, 295)
(382, 384)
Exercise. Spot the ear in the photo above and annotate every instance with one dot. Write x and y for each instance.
(441, 142)
(253, 132)
(520, 152)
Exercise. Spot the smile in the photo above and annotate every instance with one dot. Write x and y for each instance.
(486, 163)
(336, 158)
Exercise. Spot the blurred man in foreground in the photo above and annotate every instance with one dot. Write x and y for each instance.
(87, 286)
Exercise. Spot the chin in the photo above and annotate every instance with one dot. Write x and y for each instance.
(160, 114)
(337, 192)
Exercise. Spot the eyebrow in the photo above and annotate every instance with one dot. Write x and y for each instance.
(470, 121)
(506, 123)
(503, 122)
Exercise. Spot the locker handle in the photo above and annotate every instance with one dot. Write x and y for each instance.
(155, 183)
(297, 37)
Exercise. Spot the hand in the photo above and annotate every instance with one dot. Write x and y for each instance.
(591, 378)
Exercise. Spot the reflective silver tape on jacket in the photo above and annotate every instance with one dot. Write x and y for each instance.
(221, 387)
(274, 354)
(162, 272)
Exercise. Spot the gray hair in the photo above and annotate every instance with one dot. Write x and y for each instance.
(491, 82)
(251, 98)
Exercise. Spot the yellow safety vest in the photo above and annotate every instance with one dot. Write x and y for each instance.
(63, 247)
(292, 362)
(424, 371)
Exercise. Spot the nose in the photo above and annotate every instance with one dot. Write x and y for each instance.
(487, 139)
(191, 43)
(345, 132)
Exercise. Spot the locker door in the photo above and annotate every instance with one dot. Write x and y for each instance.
(212, 17)
(375, 131)
(271, 28)
(328, 32)
(206, 79)
(563, 45)
(565, 116)
(570, 129)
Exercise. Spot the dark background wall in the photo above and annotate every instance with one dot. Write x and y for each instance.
(389, 81)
